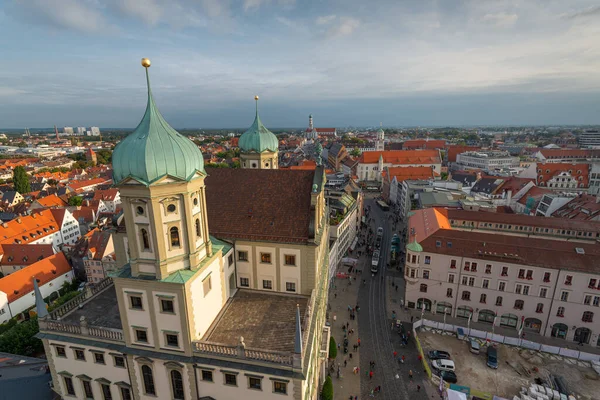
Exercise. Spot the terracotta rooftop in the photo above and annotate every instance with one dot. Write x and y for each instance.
(426, 222)
(423, 144)
(585, 207)
(547, 171)
(569, 153)
(520, 219)
(23, 230)
(20, 283)
(404, 173)
(401, 157)
(24, 254)
(253, 204)
(51, 201)
(266, 320)
(106, 195)
(542, 253)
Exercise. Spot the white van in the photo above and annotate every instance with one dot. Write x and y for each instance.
(474, 346)
(443, 365)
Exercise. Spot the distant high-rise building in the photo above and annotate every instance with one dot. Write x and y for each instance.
(81, 130)
(590, 139)
(95, 131)
(68, 130)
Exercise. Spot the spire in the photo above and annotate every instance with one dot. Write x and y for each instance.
(40, 306)
(298, 338)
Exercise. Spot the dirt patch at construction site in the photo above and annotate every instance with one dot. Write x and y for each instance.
(472, 371)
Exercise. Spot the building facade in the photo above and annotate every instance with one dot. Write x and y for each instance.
(190, 316)
(487, 161)
(372, 163)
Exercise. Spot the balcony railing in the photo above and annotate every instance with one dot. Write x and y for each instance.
(87, 294)
(241, 352)
(81, 329)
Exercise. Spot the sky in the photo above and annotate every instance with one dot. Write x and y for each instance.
(348, 62)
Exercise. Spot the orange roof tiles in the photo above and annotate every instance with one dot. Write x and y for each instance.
(26, 229)
(79, 185)
(25, 254)
(20, 283)
(423, 144)
(426, 222)
(585, 207)
(547, 171)
(404, 173)
(396, 157)
(51, 201)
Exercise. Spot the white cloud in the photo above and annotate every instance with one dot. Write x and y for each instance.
(325, 19)
(346, 26)
(501, 19)
(77, 15)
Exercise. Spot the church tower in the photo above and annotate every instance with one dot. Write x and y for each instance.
(310, 123)
(259, 147)
(380, 142)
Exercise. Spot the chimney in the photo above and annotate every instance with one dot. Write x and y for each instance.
(19, 220)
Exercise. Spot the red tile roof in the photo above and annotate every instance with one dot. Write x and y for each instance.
(20, 283)
(536, 193)
(543, 253)
(270, 205)
(423, 144)
(80, 185)
(569, 153)
(24, 254)
(107, 195)
(26, 229)
(396, 157)
(404, 173)
(426, 222)
(547, 171)
(51, 201)
(585, 207)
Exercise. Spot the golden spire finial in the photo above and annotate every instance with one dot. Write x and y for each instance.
(255, 97)
(146, 62)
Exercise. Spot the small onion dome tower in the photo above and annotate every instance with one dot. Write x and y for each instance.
(160, 175)
(259, 147)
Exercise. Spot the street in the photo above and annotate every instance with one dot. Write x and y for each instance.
(379, 339)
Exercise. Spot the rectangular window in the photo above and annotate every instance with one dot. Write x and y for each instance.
(244, 282)
(79, 355)
(242, 256)
(119, 361)
(267, 284)
(166, 306)
(207, 285)
(265, 258)
(136, 302)
(69, 385)
(451, 278)
(485, 284)
(596, 301)
(60, 351)
(427, 260)
(568, 280)
(564, 296)
(467, 266)
(280, 387)
(504, 271)
(172, 340)
(231, 379)
(466, 295)
(483, 298)
(106, 391)
(488, 269)
(141, 335)
(518, 288)
(290, 259)
(290, 287)
(546, 276)
(501, 286)
(471, 281)
(521, 274)
(449, 292)
(474, 267)
(230, 260)
(465, 280)
(87, 389)
(543, 292)
(587, 300)
(99, 358)
(425, 274)
(207, 375)
(526, 290)
(499, 301)
(592, 283)
(529, 274)
(254, 383)
(453, 264)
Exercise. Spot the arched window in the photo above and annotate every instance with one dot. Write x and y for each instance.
(588, 316)
(148, 380)
(174, 237)
(423, 288)
(145, 239)
(519, 304)
(198, 233)
(177, 385)
(466, 295)
(483, 298)
(499, 300)
(539, 308)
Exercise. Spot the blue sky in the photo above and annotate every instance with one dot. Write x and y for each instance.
(348, 62)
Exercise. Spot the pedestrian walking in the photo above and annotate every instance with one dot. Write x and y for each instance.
(358, 341)
(335, 295)
(418, 388)
(402, 358)
(370, 374)
(410, 374)
(395, 354)
(345, 363)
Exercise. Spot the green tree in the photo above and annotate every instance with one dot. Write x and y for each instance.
(21, 180)
(76, 201)
(444, 176)
(327, 391)
(332, 348)
(21, 339)
(355, 152)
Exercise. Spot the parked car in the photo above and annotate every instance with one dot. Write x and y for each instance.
(474, 346)
(443, 365)
(448, 376)
(492, 357)
(81, 286)
(438, 355)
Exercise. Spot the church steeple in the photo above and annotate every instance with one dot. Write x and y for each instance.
(259, 147)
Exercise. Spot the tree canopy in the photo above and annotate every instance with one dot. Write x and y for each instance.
(21, 180)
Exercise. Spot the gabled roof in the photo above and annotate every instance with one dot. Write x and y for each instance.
(106, 195)
(569, 153)
(535, 194)
(487, 185)
(404, 173)
(584, 207)
(25, 254)
(423, 144)
(78, 185)
(51, 201)
(98, 242)
(271, 205)
(23, 230)
(396, 157)
(9, 197)
(20, 283)
(59, 215)
(84, 214)
(547, 171)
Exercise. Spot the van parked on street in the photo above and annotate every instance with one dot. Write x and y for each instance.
(492, 357)
(443, 365)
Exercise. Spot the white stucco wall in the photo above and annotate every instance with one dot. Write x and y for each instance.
(206, 307)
